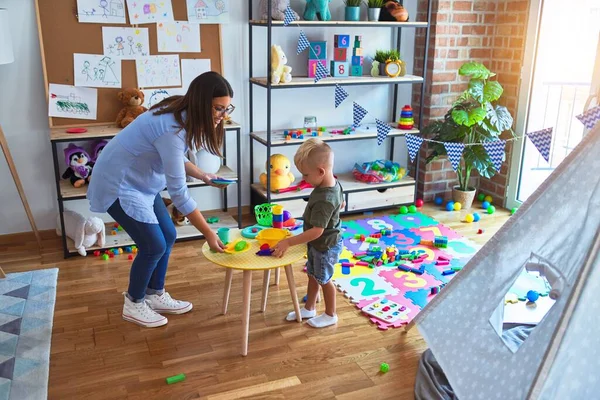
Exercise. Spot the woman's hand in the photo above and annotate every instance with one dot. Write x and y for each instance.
(280, 248)
(207, 178)
(215, 243)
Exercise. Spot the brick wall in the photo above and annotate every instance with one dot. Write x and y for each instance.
(490, 32)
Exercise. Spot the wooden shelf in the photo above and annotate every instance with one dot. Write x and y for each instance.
(347, 181)
(186, 232)
(101, 132)
(68, 192)
(360, 24)
(303, 81)
(366, 131)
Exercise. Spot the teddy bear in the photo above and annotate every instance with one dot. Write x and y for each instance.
(280, 72)
(392, 10)
(317, 9)
(132, 99)
(85, 232)
(277, 10)
(279, 169)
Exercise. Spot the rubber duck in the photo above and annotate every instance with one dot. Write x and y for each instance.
(279, 169)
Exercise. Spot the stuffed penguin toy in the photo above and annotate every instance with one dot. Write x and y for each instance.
(79, 166)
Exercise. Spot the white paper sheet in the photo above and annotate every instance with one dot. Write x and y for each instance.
(158, 71)
(522, 313)
(94, 70)
(149, 11)
(72, 102)
(125, 43)
(155, 96)
(101, 11)
(208, 11)
(178, 37)
(191, 68)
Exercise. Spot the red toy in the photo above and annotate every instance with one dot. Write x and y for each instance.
(419, 203)
(296, 188)
(130, 257)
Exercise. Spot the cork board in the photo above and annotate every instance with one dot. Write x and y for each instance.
(61, 35)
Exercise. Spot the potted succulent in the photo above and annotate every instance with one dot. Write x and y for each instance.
(383, 57)
(374, 8)
(472, 119)
(353, 10)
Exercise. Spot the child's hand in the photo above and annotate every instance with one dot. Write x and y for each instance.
(280, 248)
(215, 243)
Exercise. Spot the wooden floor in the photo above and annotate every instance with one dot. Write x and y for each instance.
(97, 355)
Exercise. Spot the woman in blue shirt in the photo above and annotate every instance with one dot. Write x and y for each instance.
(137, 164)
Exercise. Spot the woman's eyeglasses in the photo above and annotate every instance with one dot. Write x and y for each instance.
(224, 110)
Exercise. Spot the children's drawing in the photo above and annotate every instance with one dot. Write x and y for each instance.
(179, 37)
(101, 11)
(208, 11)
(72, 102)
(125, 43)
(94, 70)
(155, 96)
(149, 11)
(158, 71)
(191, 68)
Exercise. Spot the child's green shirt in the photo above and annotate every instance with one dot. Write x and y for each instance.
(323, 211)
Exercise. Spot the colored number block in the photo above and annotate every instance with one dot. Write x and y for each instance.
(357, 51)
(312, 67)
(356, 70)
(340, 54)
(340, 68)
(342, 41)
(357, 60)
(318, 51)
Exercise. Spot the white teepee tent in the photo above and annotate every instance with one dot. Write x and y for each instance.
(559, 223)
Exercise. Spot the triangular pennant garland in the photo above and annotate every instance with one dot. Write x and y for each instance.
(495, 150)
(382, 131)
(340, 95)
(590, 118)
(454, 151)
(542, 140)
(414, 144)
(303, 43)
(320, 73)
(288, 16)
(358, 113)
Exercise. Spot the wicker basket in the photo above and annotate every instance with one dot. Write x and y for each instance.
(464, 198)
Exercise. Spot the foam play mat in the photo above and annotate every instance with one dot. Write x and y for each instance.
(412, 271)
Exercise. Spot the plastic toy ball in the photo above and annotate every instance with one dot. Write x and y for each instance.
(513, 210)
(105, 257)
(489, 199)
(450, 206)
(403, 210)
(412, 209)
(384, 367)
(130, 257)
(439, 201)
(476, 217)
(485, 205)
(286, 215)
(419, 203)
(481, 197)
(469, 218)
(491, 209)
(457, 206)
(532, 296)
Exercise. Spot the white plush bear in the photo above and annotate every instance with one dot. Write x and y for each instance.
(84, 232)
(277, 9)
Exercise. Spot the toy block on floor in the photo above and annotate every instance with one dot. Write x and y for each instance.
(312, 67)
(441, 242)
(340, 69)
(317, 51)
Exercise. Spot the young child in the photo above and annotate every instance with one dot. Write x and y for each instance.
(314, 159)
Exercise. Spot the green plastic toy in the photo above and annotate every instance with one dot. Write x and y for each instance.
(241, 245)
(403, 210)
(412, 209)
(174, 379)
(384, 367)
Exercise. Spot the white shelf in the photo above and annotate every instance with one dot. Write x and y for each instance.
(366, 131)
(360, 24)
(347, 181)
(303, 81)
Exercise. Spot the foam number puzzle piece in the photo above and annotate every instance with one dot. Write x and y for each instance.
(312, 67)
(411, 311)
(430, 232)
(365, 287)
(462, 248)
(317, 51)
(416, 220)
(420, 297)
(405, 237)
(356, 270)
(387, 310)
(340, 68)
(409, 281)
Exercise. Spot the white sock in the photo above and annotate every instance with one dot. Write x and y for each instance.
(304, 313)
(323, 320)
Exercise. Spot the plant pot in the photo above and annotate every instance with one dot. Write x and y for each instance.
(352, 13)
(464, 198)
(373, 14)
(382, 69)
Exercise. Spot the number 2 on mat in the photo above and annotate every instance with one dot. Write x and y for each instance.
(369, 289)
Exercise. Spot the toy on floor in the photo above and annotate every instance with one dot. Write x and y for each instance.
(481, 197)
(85, 232)
(174, 379)
(403, 210)
(386, 310)
(412, 209)
(407, 120)
(278, 8)
(239, 246)
(485, 205)
(279, 168)
(419, 203)
(378, 172)
(280, 72)
(513, 210)
(489, 199)
(440, 242)
(212, 220)
(476, 217)
(491, 209)
(450, 206)
(469, 218)
(79, 165)
(384, 367)
(457, 206)
(439, 201)
(317, 10)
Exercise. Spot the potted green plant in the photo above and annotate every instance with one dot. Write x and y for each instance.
(474, 118)
(381, 56)
(353, 10)
(374, 8)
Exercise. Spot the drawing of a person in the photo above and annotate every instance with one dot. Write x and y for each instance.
(104, 7)
(111, 47)
(108, 77)
(131, 44)
(86, 70)
(95, 73)
(140, 49)
(120, 47)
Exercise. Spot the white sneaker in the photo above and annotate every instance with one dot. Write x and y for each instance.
(304, 313)
(141, 314)
(164, 304)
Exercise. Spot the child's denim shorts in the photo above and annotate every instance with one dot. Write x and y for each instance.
(320, 263)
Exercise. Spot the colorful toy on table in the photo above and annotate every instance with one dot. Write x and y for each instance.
(280, 72)
(378, 171)
(277, 211)
(317, 53)
(407, 121)
(239, 246)
(278, 167)
(223, 234)
(79, 165)
(272, 236)
(485, 205)
(489, 199)
(265, 250)
(250, 232)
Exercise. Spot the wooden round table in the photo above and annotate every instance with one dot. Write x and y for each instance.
(247, 262)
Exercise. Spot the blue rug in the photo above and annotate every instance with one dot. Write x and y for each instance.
(26, 311)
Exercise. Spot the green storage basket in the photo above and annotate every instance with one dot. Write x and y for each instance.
(264, 214)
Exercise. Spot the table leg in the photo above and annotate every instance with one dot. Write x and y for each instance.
(246, 310)
(277, 273)
(228, 279)
(289, 273)
(2, 275)
(265, 290)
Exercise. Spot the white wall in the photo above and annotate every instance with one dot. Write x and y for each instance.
(23, 109)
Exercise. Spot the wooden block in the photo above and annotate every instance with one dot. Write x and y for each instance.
(317, 51)
(340, 54)
(339, 68)
(357, 51)
(342, 41)
(357, 60)
(356, 70)
(312, 67)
